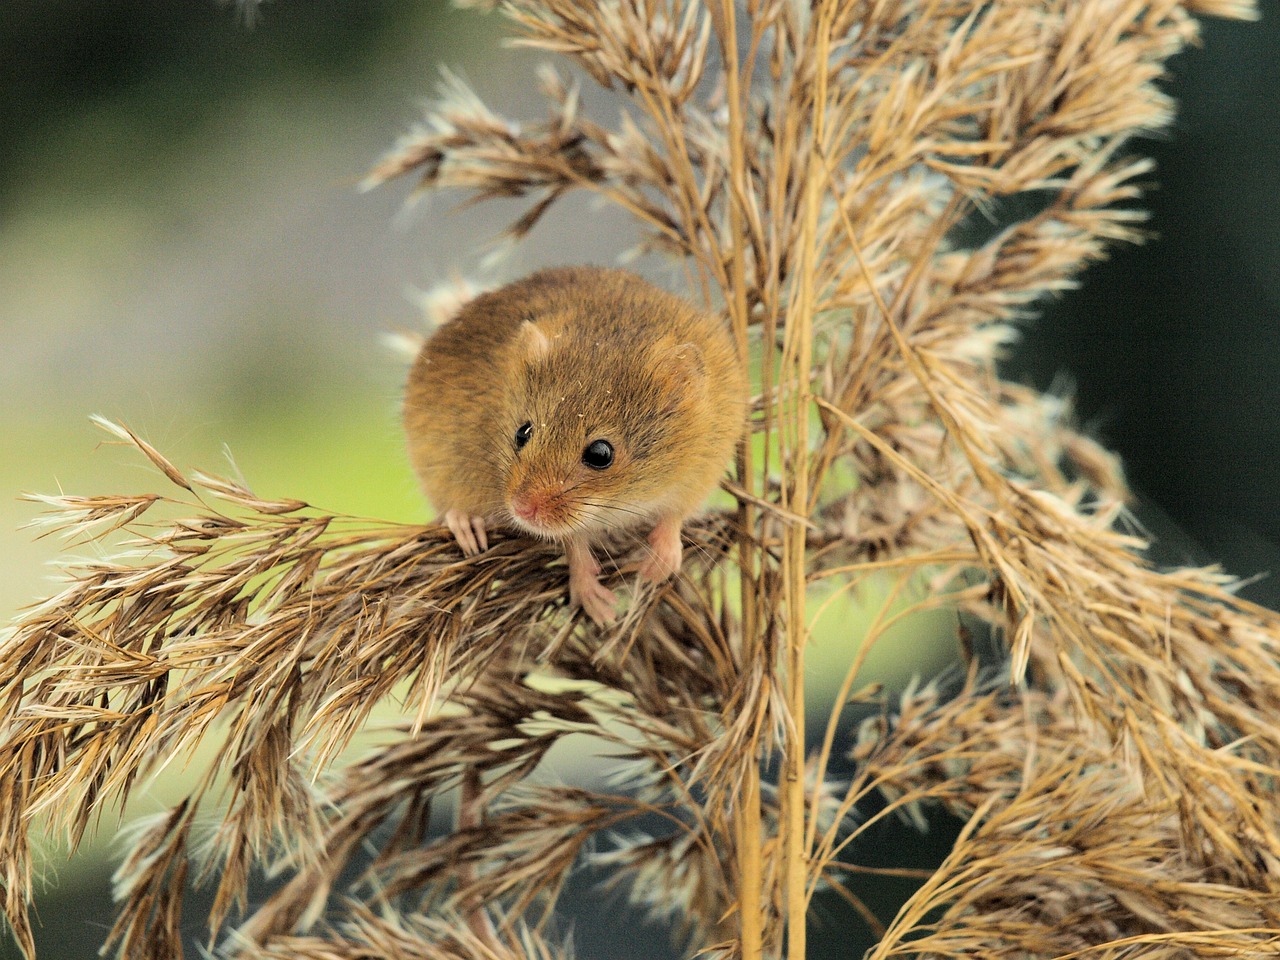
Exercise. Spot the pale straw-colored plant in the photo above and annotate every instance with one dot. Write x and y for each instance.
(821, 172)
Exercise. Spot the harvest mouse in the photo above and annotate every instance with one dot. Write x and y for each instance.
(576, 401)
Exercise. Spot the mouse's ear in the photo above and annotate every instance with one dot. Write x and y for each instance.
(531, 341)
(680, 369)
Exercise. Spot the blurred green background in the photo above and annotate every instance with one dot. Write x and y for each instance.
(183, 247)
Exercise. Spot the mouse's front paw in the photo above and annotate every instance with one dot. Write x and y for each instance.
(469, 531)
(596, 600)
(665, 551)
(585, 589)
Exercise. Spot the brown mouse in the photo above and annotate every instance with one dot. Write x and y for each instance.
(576, 401)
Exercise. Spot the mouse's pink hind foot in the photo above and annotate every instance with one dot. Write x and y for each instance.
(467, 530)
(585, 589)
(665, 551)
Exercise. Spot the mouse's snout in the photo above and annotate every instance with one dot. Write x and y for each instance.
(526, 508)
(542, 510)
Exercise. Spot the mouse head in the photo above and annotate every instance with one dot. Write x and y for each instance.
(592, 430)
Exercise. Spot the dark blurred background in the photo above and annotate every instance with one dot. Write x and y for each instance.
(182, 246)
(1172, 348)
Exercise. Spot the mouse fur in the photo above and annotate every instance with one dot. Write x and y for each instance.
(579, 355)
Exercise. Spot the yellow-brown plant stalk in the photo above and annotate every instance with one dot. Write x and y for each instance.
(816, 169)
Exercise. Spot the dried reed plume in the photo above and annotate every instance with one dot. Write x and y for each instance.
(816, 169)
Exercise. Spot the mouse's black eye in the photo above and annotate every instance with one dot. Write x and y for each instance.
(598, 455)
(523, 433)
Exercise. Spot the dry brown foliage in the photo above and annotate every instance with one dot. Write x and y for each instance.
(1119, 796)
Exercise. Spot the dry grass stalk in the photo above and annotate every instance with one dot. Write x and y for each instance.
(812, 166)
